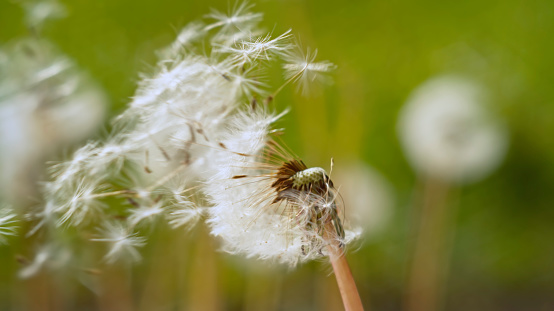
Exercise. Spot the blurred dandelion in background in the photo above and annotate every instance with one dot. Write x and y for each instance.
(368, 196)
(450, 137)
(448, 131)
(47, 103)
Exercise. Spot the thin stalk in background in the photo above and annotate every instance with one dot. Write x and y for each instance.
(429, 267)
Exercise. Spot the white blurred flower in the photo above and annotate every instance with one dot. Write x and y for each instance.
(46, 103)
(448, 133)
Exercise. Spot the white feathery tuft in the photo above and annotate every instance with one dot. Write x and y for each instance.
(8, 223)
(123, 245)
(193, 124)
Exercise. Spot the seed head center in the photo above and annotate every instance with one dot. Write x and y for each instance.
(308, 176)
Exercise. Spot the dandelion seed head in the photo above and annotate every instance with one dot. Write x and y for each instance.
(194, 123)
(308, 177)
(268, 204)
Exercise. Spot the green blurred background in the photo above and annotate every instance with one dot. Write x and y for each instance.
(502, 256)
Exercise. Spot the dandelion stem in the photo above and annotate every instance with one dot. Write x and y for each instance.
(345, 280)
(347, 287)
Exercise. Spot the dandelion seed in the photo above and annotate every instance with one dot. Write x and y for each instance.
(238, 19)
(185, 216)
(123, 244)
(66, 172)
(262, 48)
(8, 221)
(247, 84)
(83, 204)
(145, 213)
(302, 68)
(49, 256)
(45, 217)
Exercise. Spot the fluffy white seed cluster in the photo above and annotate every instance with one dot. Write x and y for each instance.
(192, 120)
(247, 213)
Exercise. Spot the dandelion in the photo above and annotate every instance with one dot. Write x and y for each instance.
(268, 204)
(194, 143)
(172, 127)
(450, 138)
(447, 132)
